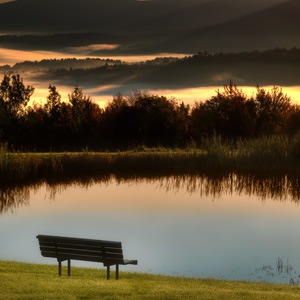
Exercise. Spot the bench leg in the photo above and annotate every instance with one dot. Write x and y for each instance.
(108, 272)
(117, 271)
(59, 268)
(69, 267)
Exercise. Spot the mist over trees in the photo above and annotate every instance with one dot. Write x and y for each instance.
(275, 66)
(54, 64)
(140, 118)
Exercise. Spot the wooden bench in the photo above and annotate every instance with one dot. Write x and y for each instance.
(66, 248)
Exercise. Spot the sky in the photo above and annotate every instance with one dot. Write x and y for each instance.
(132, 30)
(108, 15)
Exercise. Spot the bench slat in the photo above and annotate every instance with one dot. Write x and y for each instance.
(62, 257)
(71, 246)
(78, 241)
(82, 252)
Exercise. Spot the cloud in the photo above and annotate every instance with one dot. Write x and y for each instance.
(221, 77)
(10, 57)
(91, 49)
(5, 1)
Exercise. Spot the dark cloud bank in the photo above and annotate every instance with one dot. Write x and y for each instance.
(150, 27)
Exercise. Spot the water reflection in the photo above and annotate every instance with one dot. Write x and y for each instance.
(12, 198)
(277, 188)
(247, 233)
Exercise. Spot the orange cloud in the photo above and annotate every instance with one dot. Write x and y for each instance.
(92, 48)
(10, 57)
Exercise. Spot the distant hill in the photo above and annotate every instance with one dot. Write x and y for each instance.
(271, 67)
(202, 14)
(68, 63)
(277, 26)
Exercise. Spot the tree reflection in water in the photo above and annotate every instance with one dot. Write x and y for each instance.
(279, 188)
(264, 186)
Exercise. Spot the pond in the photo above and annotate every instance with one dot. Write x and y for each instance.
(233, 227)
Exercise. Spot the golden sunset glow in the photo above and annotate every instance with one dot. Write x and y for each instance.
(193, 95)
(188, 96)
(10, 57)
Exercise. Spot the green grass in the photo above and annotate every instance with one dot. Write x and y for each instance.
(30, 281)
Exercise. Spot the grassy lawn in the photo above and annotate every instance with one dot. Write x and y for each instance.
(29, 281)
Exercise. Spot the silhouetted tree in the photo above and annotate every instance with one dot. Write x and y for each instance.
(141, 118)
(35, 129)
(86, 115)
(58, 120)
(158, 118)
(138, 119)
(229, 113)
(293, 122)
(273, 110)
(183, 124)
(120, 124)
(14, 97)
(53, 105)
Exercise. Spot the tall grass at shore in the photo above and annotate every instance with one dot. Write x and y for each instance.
(16, 166)
(29, 281)
(274, 153)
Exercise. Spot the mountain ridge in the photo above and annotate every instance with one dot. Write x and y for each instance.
(277, 26)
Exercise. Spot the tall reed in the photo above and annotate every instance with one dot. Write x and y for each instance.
(17, 166)
(268, 153)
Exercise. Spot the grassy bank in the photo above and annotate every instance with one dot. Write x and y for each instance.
(29, 281)
(273, 154)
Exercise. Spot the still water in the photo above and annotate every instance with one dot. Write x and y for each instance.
(235, 228)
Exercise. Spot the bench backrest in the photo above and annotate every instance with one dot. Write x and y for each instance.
(63, 248)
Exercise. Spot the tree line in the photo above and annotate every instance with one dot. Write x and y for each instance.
(129, 121)
(53, 64)
(206, 68)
